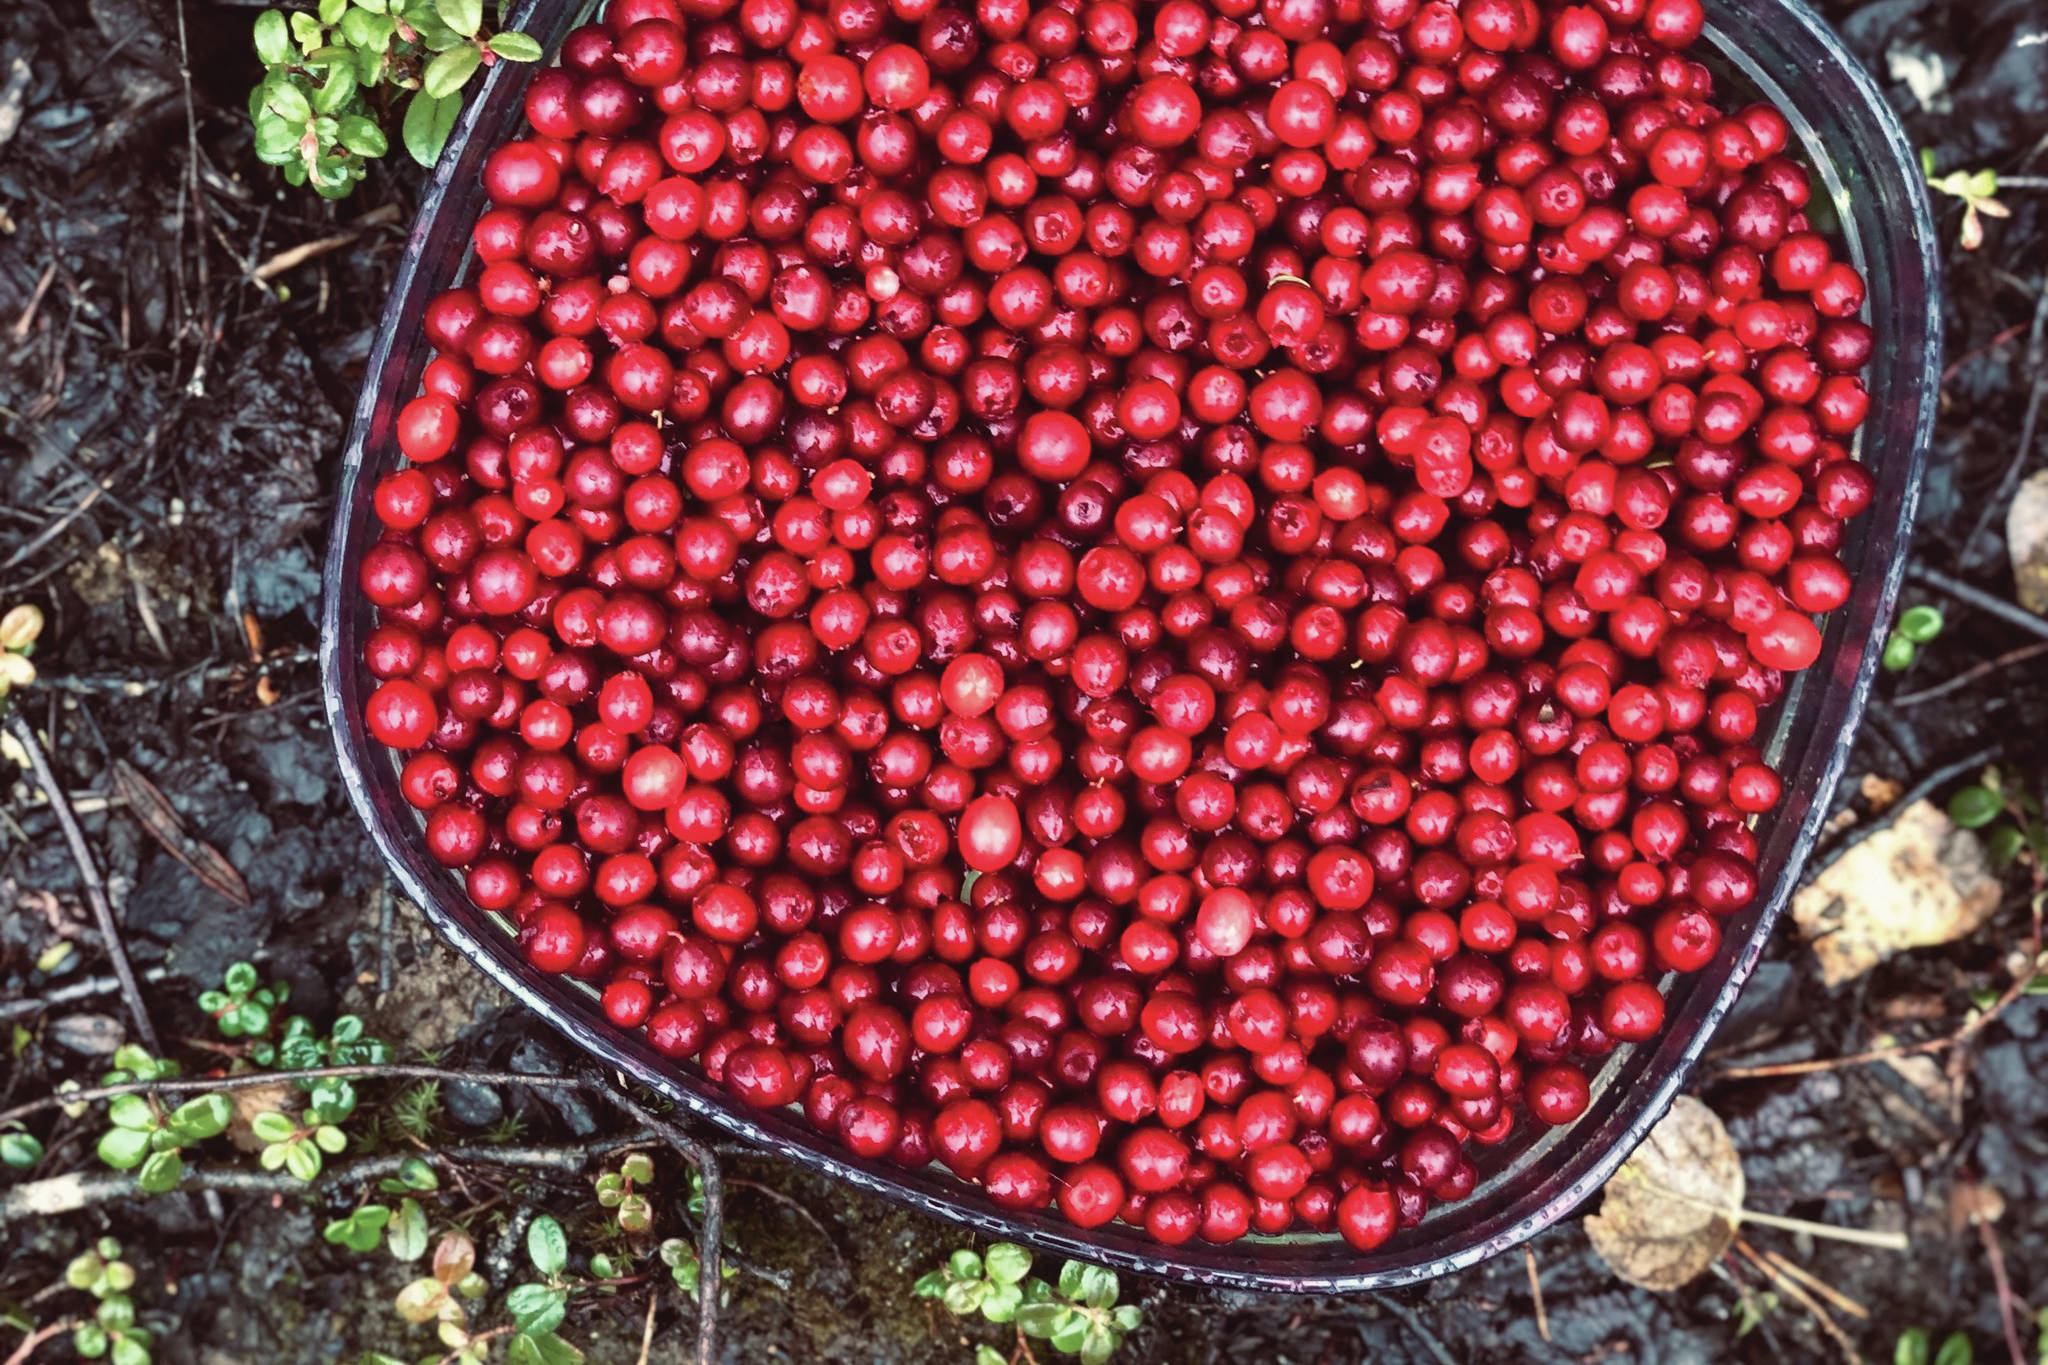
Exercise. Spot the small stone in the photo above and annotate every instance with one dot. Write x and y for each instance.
(472, 1104)
(2026, 540)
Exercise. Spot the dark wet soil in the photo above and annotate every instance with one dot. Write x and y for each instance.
(169, 433)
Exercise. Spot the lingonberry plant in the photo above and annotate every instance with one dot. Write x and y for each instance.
(1917, 626)
(113, 1333)
(1168, 607)
(334, 76)
(1078, 1315)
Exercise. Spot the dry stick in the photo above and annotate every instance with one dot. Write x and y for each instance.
(66, 1193)
(21, 1353)
(647, 1328)
(2005, 1294)
(710, 1232)
(70, 991)
(1818, 1285)
(1980, 599)
(1536, 1292)
(1804, 1300)
(89, 874)
(1735, 1217)
(1971, 674)
(1413, 1322)
(2037, 356)
(1883, 1054)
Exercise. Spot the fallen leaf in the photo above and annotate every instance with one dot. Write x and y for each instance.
(160, 818)
(2026, 540)
(1920, 882)
(1671, 1210)
(258, 1099)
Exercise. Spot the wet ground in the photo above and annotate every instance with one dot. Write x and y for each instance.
(172, 405)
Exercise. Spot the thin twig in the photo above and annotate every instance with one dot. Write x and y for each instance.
(1980, 599)
(83, 989)
(2005, 1295)
(1804, 1300)
(1818, 1285)
(710, 1231)
(89, 875)
(1413, 1322)
(201, 1084)
(1884, 1054)
(1925, 787)
(2036, 358)
(69, 1193)
(1971, 674)
(20, 1354)
(1536, 1292)
(647, 1327)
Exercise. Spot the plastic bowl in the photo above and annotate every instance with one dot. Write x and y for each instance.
(1783, 52)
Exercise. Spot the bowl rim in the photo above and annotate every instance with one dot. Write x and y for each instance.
(1234, 1265)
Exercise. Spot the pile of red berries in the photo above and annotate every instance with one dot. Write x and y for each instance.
(1165, 604)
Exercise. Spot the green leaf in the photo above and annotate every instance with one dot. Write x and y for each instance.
(162, 1172)
(90, 1341)
(537, 1308)
(964, 1296)
(1955, 1350)
(1098, 1345)
(332, 10)
(289, 102)
(116, 1313)
(2004, 844)
(240, 978)
(464, 16)
(20, 1151)
(273, 48)
(360, 1230)
(428, 122)
(1070, 1279)
(1001, 1302)
(1098, 1287)
(1975, 807)
(516, 47)
(302, 1159)
(989, 1355)
(132, 1111)
(447, 73)
(330, 1139)
(546, 1247)
(332, 1101)
(541, 1348)
(271, 1126)
(1920, 624)
(363, 137)
(1070, 1331)
(1039, 1319)
(1899, 653)
(407, 1236)
(124, 1148)
(247, 1020)
(208, 1116)
(930, 1286)
(337, 90)
(128, 1351)
(638, 1167)
(1127, 1318)
(1007, 1263)
(636, 1214)
(964, 1265)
